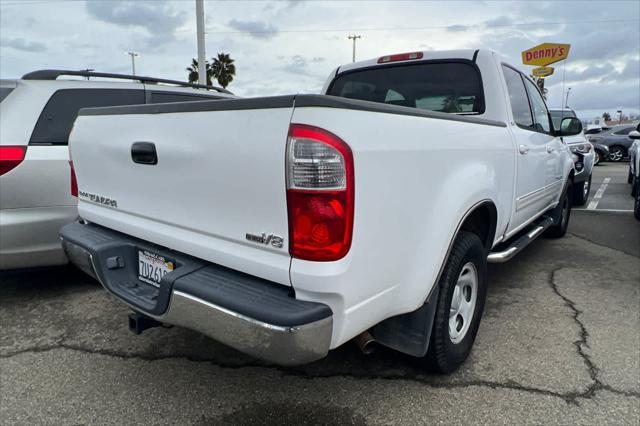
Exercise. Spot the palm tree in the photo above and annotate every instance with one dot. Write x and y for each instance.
(193, 72)
(223, 69)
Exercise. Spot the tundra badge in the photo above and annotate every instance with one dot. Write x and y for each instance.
(275, 240)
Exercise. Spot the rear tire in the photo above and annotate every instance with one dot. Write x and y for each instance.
(562, 213)
(463, 290)
(629, 176)
(581, 192)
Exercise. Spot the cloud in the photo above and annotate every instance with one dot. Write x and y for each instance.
(256, 29)
(22, 44)
(500, 21)
(297, 65)
(457, 28)
(158, 18)
(590, 73)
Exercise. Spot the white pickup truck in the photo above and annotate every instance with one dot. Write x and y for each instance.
(287, 226)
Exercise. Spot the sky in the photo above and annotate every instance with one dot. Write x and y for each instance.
(284, 47)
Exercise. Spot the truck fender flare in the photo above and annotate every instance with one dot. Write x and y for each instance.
(410, 333)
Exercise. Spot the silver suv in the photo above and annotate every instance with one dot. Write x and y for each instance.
(36, 116)
(583, 155)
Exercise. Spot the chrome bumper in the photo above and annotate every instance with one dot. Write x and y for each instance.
(283, 345)
(280, 345)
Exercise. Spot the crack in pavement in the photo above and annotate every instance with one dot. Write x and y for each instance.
(572, 397)
(569, 397)
(580, 345)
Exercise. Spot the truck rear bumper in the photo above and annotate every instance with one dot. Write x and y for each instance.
(252, 315)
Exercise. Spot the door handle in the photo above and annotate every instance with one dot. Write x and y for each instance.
(144, 153)
(550, 149)
(523, 149)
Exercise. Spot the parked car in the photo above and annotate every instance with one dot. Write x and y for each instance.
(36, 116)
(616, 139)
(634, 169)
(304, 221)
(583, 156)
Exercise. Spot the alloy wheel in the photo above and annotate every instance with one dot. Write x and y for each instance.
(615, 154)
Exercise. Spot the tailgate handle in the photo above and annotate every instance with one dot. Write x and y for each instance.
(144, 153)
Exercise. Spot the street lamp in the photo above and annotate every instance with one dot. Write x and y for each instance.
(566, 102)
(619, 116)
(133, 61)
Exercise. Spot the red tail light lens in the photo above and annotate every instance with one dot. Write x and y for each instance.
(320, 194)
(400, 57)
(74, 181)
(10, 157)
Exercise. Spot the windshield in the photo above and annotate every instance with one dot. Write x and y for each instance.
(558, 115)
(453, 87)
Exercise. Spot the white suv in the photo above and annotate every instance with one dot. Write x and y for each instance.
(36, 116)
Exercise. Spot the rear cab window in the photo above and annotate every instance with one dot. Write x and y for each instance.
(57, 117)
(451, 87)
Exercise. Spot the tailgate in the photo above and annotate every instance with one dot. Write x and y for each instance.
(220, 175)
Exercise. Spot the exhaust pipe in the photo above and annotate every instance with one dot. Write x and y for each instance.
(139, 323)
(365, 342)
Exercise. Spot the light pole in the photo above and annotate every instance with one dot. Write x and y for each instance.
(354, 38)
(619, 116)
(566, 102)
(133, 61)
(202, 69)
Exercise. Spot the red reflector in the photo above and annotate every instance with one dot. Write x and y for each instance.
(74, 181)
(400, 57)
(320, 220)
(10, 157)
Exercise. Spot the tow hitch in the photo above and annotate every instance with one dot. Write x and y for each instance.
(139, 323)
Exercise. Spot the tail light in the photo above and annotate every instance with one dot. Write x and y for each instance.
(400, 57)
(320, 194)
(10, 157)
(74, 181)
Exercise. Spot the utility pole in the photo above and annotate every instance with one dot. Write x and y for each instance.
(202, 69)
(354, 38)
(88, 70)
(133, 61)
(619, 116)
(566, 102)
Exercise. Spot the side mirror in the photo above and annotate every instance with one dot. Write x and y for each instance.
(634, 134)
(570, 126)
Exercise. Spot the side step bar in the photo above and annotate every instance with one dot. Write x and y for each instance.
(518, 244)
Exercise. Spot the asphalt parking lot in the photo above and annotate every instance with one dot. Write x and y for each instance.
(559, 344)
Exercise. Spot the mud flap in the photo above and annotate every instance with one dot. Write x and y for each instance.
(409, 333)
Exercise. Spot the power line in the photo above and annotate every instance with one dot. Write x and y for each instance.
(457, 27)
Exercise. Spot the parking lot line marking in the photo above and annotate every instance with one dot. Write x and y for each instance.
(596, 198)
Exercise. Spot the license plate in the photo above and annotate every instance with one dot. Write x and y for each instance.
(152, 267)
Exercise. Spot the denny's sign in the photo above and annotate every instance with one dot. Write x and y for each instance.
(545, 54)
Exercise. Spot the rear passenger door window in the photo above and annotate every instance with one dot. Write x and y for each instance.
(518, 98)
(57, 117)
